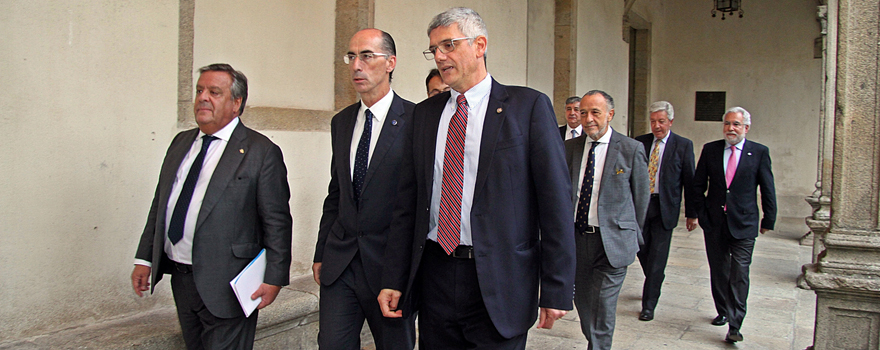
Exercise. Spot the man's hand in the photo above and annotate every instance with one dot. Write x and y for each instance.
(268, 292)
(548, 316)
(764, 230)
(692, 223)
(140, 279)
(388, 299)
(316, 272)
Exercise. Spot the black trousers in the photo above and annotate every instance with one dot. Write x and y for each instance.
(345, 304)
(654, 255)
(201, 329)
(729, 261)
(452, 314)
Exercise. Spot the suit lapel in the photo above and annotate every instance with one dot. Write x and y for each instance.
(390, 131)
(428, 137)
(496, 112)
(577, 157)
(176, 153)
(745, 161)
(235, 151)
(610, 160)
(343, 146)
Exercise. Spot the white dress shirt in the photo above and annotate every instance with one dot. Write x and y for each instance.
(182, 251)
(478, 100)
(578, 130)
(600, 152)
(379, 110)
(739, 148)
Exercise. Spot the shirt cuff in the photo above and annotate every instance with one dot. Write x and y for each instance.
(143, 262)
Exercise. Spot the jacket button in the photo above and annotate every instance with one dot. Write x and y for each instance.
(360, 234)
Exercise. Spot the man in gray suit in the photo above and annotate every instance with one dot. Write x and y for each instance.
(364, 170)
(609, 176)
(222, 197)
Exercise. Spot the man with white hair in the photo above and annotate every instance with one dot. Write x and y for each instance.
(731, 170)
(670, 170)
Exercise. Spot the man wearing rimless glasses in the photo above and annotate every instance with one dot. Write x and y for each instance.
(481, 164)
(367, 143)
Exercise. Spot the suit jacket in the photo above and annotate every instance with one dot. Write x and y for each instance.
(346, 227)
(752, 171)
(623, 194)
(522, 230)
(245, 209)
(562, 131)
(676, 174)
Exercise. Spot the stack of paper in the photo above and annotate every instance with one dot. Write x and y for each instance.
(248, 281)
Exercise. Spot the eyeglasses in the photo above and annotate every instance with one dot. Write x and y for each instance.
(446, 46)
(365, 57)
(736, 125)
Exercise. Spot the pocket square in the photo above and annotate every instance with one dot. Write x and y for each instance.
(619, 171)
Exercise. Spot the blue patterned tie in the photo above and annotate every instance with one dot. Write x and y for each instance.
(583, 208)
(362, 158)
(178, 218)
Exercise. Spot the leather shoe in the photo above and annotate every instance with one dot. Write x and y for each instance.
(733, 336)
(646, 315)
(720, 320)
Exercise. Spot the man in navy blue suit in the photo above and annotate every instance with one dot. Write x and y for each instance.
(732, 170)
(670, 170)
(482, 235)
(367, 145)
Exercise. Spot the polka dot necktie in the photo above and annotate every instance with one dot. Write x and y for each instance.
(449, 228)
(362, 157)
(178, 217)
(583, 208)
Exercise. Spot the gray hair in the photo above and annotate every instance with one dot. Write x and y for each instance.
(747, 118)
(573, 99)
(239, 87)
(663, 106)
(608, 100)
(469, 22)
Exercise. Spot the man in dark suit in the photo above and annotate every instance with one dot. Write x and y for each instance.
(222, 197)
(670, 169)
(572, 127)
(731, 170)
(611, 197)
(357, 211)
(482, 233)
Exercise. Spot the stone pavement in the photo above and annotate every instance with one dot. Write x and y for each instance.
(779, 315)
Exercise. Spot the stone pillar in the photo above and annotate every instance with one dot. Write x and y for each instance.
(846, 277)
(351, 16)
(820, 199)
(565, 57)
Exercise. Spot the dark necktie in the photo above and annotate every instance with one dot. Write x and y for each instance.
(362, 157)
(449, 227)
(583, 208)
(175, 229)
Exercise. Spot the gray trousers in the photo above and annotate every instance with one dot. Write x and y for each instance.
(597, 286)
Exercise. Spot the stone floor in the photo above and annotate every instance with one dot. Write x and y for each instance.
(780, 316)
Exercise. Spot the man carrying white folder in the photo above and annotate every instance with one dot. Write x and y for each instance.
(222, 197)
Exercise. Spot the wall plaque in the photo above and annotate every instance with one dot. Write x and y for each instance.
(709, 106)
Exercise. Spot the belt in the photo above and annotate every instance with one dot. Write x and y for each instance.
(463, 252)
(182, 268)
(590, 230)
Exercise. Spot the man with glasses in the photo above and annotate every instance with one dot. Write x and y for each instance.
(482, 222)
(367, 141)
(731, 170)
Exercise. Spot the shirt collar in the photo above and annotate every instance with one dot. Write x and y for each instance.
(380, 108)
(665, 138)
(475, 93)
(226, 133)
(738, 146)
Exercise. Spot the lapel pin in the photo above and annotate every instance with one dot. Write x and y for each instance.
(499, 110)
(241, 150)
(394, 122)
(750, 153)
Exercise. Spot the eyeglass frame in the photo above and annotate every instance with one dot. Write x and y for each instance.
(430, 52)
(364, 56)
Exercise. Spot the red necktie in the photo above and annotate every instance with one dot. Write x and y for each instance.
(449, 230)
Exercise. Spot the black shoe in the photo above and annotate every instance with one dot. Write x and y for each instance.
(733, 336)
(720, 320)
(646, 315)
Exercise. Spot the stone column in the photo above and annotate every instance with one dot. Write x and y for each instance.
(351, 16)
(565, 56)
(820, 199)
(846, 277)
